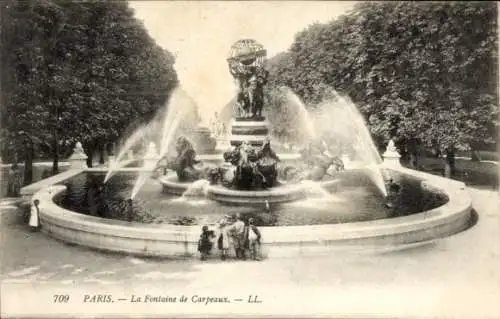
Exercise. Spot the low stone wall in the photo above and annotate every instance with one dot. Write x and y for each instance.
(27, 192)
(170, 240)
(40, 170)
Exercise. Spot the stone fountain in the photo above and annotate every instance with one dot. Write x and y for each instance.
(251, 173)
(250, 169)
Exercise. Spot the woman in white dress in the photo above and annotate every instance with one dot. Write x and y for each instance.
(35, 215)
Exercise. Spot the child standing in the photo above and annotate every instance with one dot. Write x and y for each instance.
(254, 240)
(205, 243)
(223, 241)
(35, 215)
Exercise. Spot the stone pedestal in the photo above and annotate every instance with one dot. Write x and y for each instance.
(254, 131)
(78, 160)
(391, 155)
(222, 144)
(203, 142)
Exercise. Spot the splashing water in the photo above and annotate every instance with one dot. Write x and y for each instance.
(192, 195)
(313, 189)
(129, 143)
(150, 162)
(141, 180)
(316, 196)
(307, 123)
(363, 142)
(179, 105)
(197, 188)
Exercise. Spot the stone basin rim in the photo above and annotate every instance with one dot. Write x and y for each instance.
(284, 189)
(107, 234)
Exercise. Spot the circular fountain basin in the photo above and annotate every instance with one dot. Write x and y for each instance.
(277, 195)
(171, 185)
(174, 240)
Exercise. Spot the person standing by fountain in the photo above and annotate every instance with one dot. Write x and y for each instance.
(223, 240)
(205, 242)
(239, 238)
(14, 181)
(253, 240)
(35, 216)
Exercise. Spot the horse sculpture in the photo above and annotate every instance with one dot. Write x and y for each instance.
(184, 164)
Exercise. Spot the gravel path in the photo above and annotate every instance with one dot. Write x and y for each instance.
(441, 273)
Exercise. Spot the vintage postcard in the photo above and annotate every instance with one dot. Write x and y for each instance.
(220, 159)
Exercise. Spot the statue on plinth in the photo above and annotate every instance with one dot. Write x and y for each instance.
(246, 65)
(78, 158)
(391, 155)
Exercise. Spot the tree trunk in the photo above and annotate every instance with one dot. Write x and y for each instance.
(449, 165)
(101, 153)
(55, 163)
(90, 156)
(110, 148)
(28, 164)
(412, 152)
(413, 160)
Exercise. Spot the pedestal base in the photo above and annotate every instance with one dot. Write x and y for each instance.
(254, 131)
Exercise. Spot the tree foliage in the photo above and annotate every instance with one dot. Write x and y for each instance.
(417, 71)
(77, 71)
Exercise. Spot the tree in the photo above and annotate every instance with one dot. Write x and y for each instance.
(76, 71)
(419, 73)
(25, 115)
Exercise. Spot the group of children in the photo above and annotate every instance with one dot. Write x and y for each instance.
(244, 237)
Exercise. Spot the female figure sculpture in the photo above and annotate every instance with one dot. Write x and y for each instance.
(246, 65)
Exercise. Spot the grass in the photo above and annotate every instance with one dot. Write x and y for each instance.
(475, 174)
(485, 155)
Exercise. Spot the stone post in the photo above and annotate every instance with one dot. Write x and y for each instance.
(78, 159)
(391, 155)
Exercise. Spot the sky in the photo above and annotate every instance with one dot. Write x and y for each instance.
(200, 34)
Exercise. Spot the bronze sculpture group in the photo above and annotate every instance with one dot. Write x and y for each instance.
(250, 98)
(246, 65)
(254, 169)
(246, 167)
(250, 168)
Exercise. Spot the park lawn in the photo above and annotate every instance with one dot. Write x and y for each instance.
(474, 174)
(485, 155)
